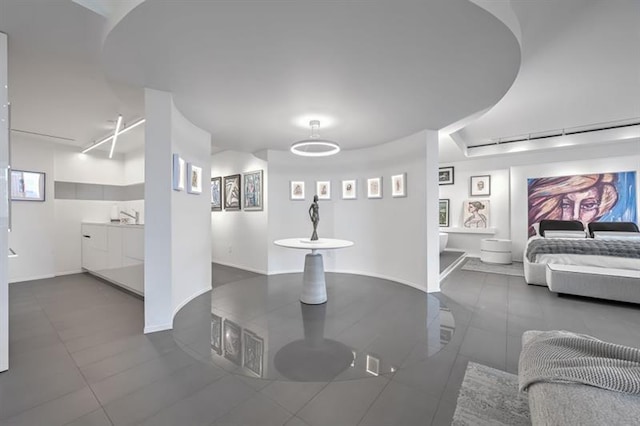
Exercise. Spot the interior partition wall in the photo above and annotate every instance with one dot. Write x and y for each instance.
(4, 205)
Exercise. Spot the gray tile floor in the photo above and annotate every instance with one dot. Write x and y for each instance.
(78, 356)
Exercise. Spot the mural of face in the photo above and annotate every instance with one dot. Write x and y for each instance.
(581, 205)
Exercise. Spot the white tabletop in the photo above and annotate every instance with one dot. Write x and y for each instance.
(320, 244)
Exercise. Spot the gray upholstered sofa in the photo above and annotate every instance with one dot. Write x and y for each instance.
(576, 404)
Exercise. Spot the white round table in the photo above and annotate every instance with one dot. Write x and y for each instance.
(314, 288)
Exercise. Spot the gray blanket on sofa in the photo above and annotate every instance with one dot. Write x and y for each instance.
(565, 357)
(618, 248)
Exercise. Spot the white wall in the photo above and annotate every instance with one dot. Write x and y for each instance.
(4, 207)
(508, 185)
(390, 234)
(240, 238)
(177, 246)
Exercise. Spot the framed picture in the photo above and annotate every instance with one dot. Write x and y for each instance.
(297, 190)
(399, 185)
(178, 173)
(323, 189)
(476, 214)
(480, 185)
(445, 176)
(27, 186)
(374, 187)
(232, 342)
(194, 174)
(373, 365)
(443, 213)
(232, 193)
(216, 194)
(253, 190)
(216, 334)
(349, 189)
(253, 352)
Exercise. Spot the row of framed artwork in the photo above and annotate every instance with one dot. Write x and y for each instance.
(350, 188)
(479, 186)
(192, 180)
(475, 213)
(242, 347)
(229, 190)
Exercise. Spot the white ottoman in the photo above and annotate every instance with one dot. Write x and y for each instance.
(494, 250)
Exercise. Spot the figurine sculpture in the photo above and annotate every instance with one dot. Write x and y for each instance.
(314, 214)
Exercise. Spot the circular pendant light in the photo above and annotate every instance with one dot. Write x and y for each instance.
(314, 146)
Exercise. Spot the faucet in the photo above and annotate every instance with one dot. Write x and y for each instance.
(136, 218)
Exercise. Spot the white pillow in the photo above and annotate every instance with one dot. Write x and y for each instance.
(616, 235)
(565, 234)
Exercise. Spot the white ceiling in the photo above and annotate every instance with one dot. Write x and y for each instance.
(254, 73)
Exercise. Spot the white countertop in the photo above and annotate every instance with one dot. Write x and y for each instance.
(320, 244)
(116, 224)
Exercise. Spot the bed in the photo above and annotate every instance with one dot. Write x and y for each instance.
(608, 245)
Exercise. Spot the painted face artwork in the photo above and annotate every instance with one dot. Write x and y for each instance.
(582, 206)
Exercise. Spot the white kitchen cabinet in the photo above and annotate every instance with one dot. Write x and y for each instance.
(115, 252)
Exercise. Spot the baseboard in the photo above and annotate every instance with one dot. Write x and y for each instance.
(187, 300)
(156, 328)
(449, 269)
(33, 278)
(245, 268)
(75, 271)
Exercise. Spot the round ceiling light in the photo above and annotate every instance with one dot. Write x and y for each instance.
(314, 146)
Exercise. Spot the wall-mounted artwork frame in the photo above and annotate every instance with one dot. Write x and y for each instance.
(446, 175)
(296, 190)
(216, 194)
(350, 189)
(253, 188)
(476, 214)
(27, 186)
(374, 187)
(232, 192)
(232, 342)
(253, 352)
(443, 212)
(323, 189)
(216, 333)
(179, 173)
(399, 185)
(480, 186)
(194, 176)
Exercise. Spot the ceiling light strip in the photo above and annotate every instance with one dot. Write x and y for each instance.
(108, 138)
(115, 136)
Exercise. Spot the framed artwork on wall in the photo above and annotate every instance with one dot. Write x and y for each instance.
(476, 214)
(399, 185)
(232, 192)
(194, 174)
(216, 194)
(253, 352)
(27, 186)
(296, 190)
(445, 176)
(232, 342)
(178, 173)
(443, 213)
(480, 185)
(374, 187)
(349, 189)
(253, 191)
(323, 189)
(216, 333)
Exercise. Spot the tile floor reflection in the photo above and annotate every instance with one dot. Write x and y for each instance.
(369, 327)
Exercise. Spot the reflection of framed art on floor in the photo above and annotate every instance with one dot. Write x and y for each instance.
(232, 340)
(216, 334)
(232, 193)
(253, 352)
(253, 190)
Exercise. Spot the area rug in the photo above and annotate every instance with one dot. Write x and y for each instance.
(474, 264)
(490, 397)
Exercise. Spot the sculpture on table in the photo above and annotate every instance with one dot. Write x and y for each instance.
(314, 214)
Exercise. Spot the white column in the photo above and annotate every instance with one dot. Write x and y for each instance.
(432, 227)
(4, 205)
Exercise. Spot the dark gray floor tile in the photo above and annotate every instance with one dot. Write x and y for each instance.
(258, 411)
(485, 347)
(399, 405)
(95, 418)
(444, 414)
(342, 403)
(292, 395)
(60, 411)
